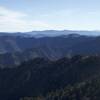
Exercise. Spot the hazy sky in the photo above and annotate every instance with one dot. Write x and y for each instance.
(27, 15)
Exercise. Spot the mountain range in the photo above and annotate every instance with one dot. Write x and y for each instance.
(50, 65)
(19, 47)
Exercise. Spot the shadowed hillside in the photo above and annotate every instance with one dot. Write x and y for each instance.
(40, 76)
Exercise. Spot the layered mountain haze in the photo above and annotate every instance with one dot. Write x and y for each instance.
(19, 47)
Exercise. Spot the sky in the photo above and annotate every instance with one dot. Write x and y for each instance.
(30, 15)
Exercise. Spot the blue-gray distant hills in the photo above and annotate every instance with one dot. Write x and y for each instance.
(51, 44)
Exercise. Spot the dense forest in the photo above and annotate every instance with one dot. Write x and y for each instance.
(75, 78)
(86, 90)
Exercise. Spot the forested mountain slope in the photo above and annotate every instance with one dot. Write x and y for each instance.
(40, 76)
(16, 48)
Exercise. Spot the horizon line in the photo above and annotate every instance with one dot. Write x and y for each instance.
(49, 30)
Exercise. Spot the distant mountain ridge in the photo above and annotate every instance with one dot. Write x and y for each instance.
(18, 47)
(12, 42)
(50, 33)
